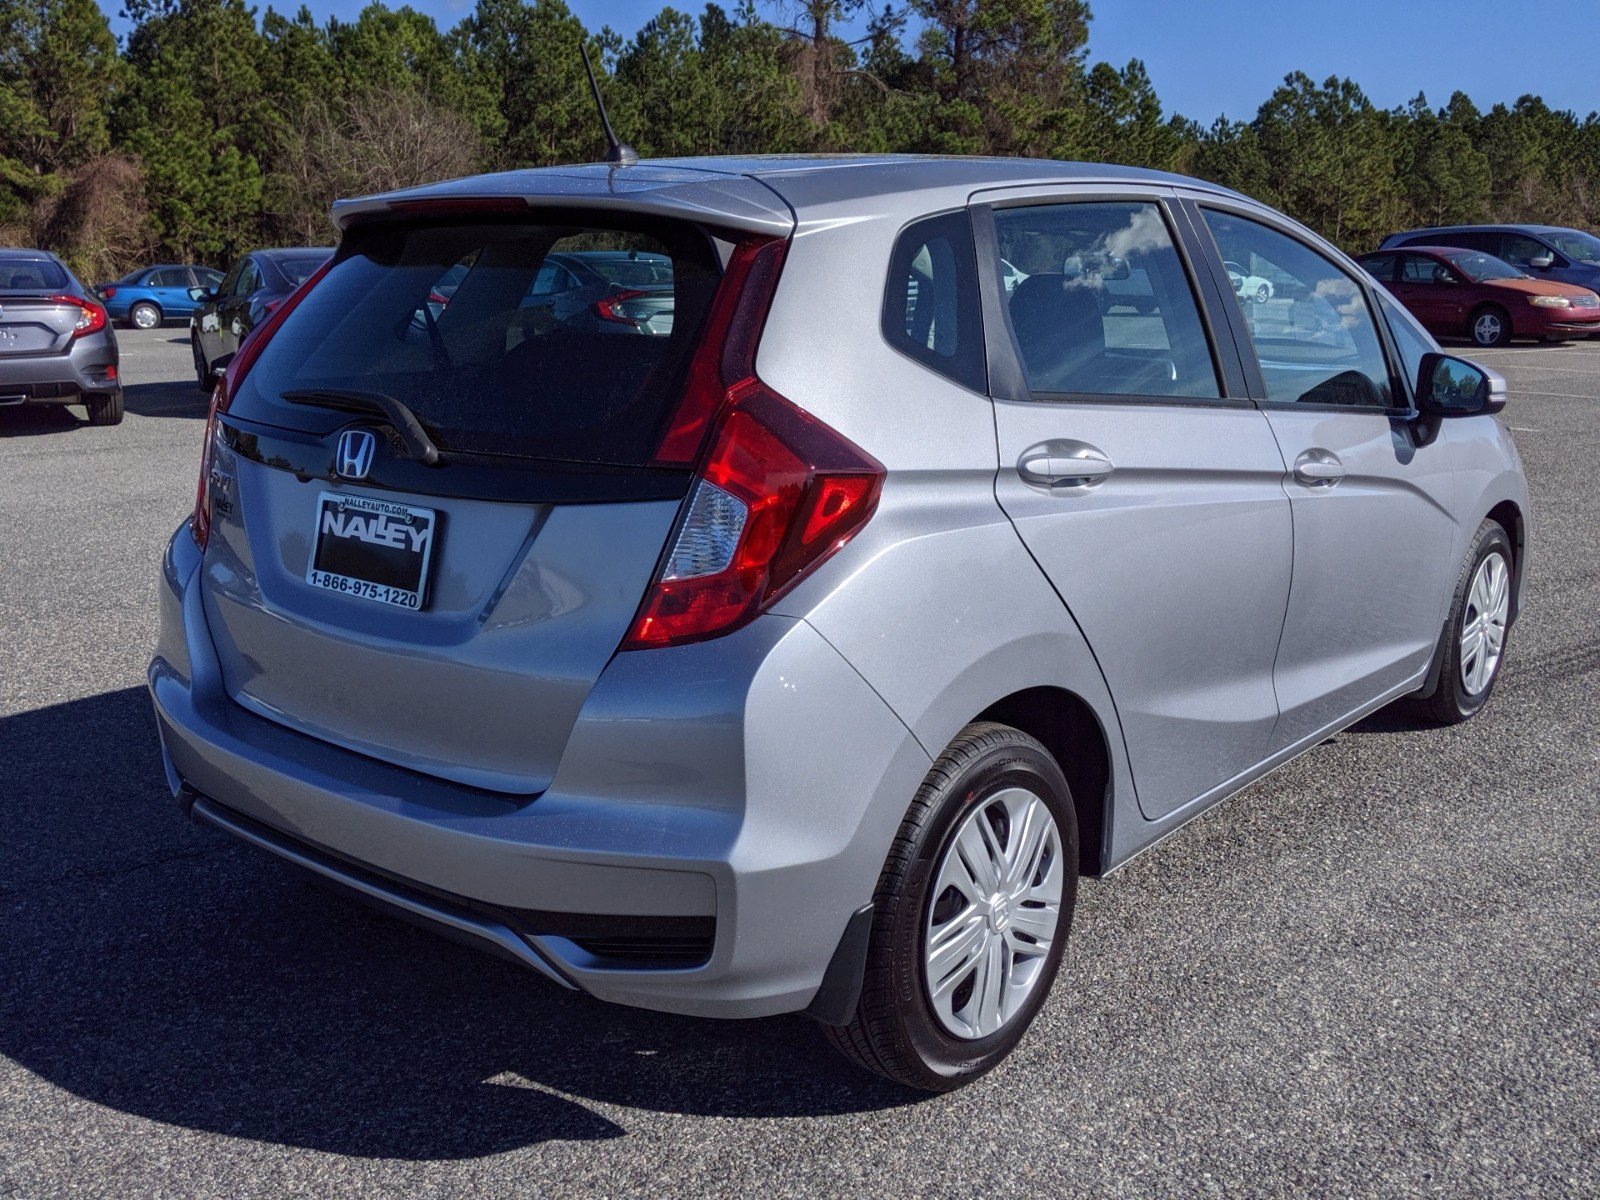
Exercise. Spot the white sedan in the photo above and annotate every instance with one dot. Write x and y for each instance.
(1247, 286)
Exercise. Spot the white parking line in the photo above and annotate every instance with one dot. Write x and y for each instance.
(1572, 368)
(1530, 355)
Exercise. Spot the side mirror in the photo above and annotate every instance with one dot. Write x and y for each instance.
(199, 295)
(1453, 387)
(1542, 262)
(1116, 269)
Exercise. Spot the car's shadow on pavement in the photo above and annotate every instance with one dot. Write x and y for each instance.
(1393, 719)
(181, 399)
(31, 420)
(154, 967)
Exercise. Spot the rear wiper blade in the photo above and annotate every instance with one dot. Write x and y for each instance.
(405, 422)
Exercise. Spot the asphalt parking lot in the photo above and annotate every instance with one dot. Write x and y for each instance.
(1373, 974)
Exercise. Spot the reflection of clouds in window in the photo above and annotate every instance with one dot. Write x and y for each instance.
(1107, 255)
(1144, 232)
(1344, 298)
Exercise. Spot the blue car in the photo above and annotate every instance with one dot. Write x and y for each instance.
(145, 298)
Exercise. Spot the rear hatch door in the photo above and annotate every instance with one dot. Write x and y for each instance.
(449, 618)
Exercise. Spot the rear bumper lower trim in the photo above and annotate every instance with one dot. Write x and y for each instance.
(500, 939)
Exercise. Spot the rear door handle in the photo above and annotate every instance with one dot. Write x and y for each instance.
(1318, 468)
(1063, 465)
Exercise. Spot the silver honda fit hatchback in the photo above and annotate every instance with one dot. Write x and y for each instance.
(957, 534)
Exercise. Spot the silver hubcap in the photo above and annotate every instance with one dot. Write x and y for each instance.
(1483, 624)
(996, 905)
(1487, 328)
(144, 317)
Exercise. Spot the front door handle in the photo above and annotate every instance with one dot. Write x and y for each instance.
(1318, 468)
(1063, 465)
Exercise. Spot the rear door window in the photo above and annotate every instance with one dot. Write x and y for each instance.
(1104, 306)
(451, 320)
(1380, 266)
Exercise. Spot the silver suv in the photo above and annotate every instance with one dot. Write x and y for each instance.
(800, 652)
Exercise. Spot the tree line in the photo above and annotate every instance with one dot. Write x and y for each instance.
(212, 128)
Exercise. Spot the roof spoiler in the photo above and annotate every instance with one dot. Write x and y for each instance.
(735, 203)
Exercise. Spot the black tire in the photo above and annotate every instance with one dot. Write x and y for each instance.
(147, 307)
(895, 1031)
(1263, 294)
(105, 409)
(203, 378)
(1451, 702)
(1485, 337)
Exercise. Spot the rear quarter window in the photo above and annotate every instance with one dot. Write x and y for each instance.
(930, 303)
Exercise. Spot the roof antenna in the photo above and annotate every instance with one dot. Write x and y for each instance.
(618, 154)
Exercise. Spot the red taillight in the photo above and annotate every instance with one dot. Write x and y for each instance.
(776, 491)
(727, 351)
(606, 309)
(222, 395)
(200, 523)
(91, 319)
(108, 292)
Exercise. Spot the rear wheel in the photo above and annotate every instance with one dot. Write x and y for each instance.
(970, 915)
(202, 368)
(106, 409)
(144, 315)
(1490, 326)
(1473, 644)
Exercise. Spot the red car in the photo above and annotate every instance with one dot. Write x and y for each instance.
(1466, 293)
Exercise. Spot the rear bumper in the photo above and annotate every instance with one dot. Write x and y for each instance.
(746, 789)
(60, 378)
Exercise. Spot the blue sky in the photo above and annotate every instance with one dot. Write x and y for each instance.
(1225, 56)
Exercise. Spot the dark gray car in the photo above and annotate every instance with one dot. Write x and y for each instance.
(56, 342)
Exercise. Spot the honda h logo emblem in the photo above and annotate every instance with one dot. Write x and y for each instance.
(354, 458)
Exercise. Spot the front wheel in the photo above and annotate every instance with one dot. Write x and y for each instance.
(1490, 327)
(970, 916)
(1473, 644)
(1263, 294)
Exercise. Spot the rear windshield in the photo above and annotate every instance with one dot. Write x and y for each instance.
(495, 350)
(30, 275)
(298, 270)
(635, 270)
